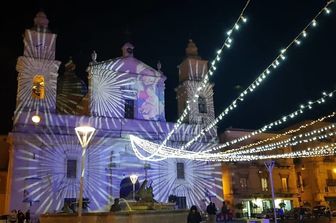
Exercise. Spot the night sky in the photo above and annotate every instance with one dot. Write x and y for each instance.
(160, 31)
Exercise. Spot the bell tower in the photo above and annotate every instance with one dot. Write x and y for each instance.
(191, 73)
(37, 68)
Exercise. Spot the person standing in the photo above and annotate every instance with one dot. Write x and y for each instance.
(27, 216)
(20, 217)
(301, 214)
(211, 210)
(115, 206)
(12, 218)
(224, 211)
(194, 216)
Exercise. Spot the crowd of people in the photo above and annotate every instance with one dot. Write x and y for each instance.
(17, 216)
(224, 215)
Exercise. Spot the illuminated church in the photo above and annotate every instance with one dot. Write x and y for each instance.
(124, 97)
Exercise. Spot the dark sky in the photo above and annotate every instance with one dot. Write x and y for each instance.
(160, 31)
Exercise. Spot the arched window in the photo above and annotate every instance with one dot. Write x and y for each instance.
(202, 107)
(38, 87)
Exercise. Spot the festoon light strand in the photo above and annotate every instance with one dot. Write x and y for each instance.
(259, 80)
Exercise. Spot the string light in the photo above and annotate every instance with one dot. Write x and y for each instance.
(282, 120)
(293, 141)
(226, 44)
(274, 64)
(168, 152)
(291, 131)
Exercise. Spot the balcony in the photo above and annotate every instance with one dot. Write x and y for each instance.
(249, 193)
(331, 182)
(329, 159)
(286, 192)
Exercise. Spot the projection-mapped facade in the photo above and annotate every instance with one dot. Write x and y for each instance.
(124, 96)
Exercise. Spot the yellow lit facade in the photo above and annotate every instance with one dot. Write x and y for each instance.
(3, 171)
(248, 183)
(317, 176)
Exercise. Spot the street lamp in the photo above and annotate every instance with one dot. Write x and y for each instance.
(134, 179)
(84, 134)
(269, 166)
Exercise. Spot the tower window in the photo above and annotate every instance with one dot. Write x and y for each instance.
(202, 108)
(180, 170)
(38, 87)
(129, 108)
(71, 168)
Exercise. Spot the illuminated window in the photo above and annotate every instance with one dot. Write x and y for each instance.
(243, 183)
(284, 183)
(264, 184)
(330, 174)
(71, 168)
(180, 170)
(129, 109)
(38, 90)
(202, 108)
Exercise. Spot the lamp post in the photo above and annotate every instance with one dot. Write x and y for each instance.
(269, 166)
(84, 134)
(134, 179)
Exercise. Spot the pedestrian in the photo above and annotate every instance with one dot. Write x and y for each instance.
(328, 213)
(12, 218)
(301, 214)
(194, 216)
(211, 210)
(20, 217)
(27, 216)
(281, 214)
(224, 211)
(115, 206)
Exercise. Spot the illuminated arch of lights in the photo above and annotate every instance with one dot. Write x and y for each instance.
(169, 152)
(154, 149)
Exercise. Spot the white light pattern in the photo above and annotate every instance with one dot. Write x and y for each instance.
(111, 90)
(37, 60)
(45, 158)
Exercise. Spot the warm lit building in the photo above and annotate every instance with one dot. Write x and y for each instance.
(317, 175)
(3, 171)
(249, 183)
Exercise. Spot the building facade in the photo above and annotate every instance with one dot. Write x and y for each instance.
(247, 184)
(4, 149)
(124, 97)
(316, 176)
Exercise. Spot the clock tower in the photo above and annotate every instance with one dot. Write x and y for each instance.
(191, 73)
(37, 69)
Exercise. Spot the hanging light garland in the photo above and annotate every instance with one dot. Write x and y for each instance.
(167, 152)
(259, 80)
(291, 131)
(163, 151)
(293, 141)
(302, 108)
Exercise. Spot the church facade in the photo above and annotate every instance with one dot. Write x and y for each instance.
(124, 97)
